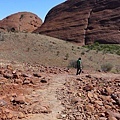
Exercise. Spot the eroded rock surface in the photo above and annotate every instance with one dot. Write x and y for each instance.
(84, 21)
(20, 22)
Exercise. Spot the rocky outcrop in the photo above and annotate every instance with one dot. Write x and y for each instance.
(84, 21)
(20, 22)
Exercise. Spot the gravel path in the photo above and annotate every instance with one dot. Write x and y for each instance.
(49, 95)
(67, 93)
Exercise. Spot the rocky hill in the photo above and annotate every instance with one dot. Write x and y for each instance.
(21, 21)
(84, 21)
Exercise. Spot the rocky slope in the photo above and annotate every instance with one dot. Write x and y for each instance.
(50, 93)
(84, 21)
(21, 21)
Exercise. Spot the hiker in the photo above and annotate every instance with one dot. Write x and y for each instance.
(79, 67)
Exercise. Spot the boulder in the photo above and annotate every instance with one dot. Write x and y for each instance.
(20, 99)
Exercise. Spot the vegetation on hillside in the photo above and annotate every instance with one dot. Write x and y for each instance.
(106, 48)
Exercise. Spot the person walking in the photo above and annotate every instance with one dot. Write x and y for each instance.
(79, 67)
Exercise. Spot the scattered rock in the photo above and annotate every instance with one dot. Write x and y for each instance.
(20, 99)
(114, 114)
(99, 103)
(89, 76)
(26, 81)
(43, 81)
(3, 103)
(21, 115)
(79, 79)
(18, 81)
(88, 88)
(116, 98)
(103, 118)
(9, 67)
(89, 108)
(37, 74)
(88, 99)
(10, 116)
(74, 100)
(111, 118)
(8, 75)
(107, 91)
(26, 75)
(90, 95)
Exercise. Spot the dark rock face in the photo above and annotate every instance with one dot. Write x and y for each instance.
(84, 21)
(20, 22)
(104, 22)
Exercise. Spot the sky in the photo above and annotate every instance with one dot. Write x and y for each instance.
(38, 7)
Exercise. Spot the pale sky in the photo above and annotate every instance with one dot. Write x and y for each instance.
(38, 7)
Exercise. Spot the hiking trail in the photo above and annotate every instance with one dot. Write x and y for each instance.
(49, 95)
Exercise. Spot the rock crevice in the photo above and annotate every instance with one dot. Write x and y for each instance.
(87, 25)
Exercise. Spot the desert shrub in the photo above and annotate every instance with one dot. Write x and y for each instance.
(118, 52)
(1, 37)
(72, 47)
(90, 58)
(66, 56)
(28, 49)
(26, 35)
(82, 53)
(106, 67)
(72, 64)
(58, 52)
(104, 52)
(118, 69)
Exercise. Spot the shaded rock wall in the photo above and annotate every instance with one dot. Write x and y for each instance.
(104, 22)
(84, 21)
(20, 22)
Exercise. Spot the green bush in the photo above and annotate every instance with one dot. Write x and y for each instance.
(118, 52)
(106, 67)
(106, 48)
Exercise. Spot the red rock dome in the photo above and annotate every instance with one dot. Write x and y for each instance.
(20, 22)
